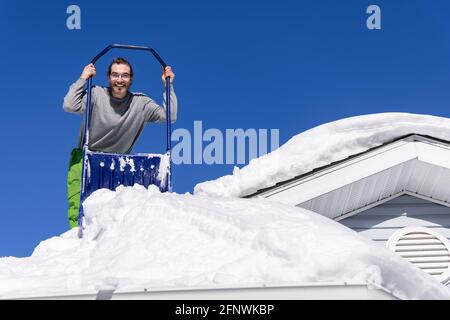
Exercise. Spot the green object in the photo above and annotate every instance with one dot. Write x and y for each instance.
(74, 185)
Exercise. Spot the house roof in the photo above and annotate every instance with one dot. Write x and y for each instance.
(414, 164)
(300, 176)
(321, 146)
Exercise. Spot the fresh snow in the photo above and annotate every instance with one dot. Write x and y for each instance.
(321, 146)
(134, 238)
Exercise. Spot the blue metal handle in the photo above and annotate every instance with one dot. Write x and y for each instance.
(169, 132)
(85, 145)
(88, 104)
(125, 46)
(168, 119)
(88, 98)
(88, 112)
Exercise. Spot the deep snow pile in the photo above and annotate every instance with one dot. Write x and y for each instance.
(323, 145)
(135, 238)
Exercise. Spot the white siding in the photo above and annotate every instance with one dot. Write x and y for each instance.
(380, 222)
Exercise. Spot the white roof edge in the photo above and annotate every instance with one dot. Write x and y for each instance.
(334, 166)
(403, 151)
(422, 154)
(312, 291)
(423, 138)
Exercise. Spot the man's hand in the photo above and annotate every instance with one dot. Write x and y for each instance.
(168, 73)
(88, 71)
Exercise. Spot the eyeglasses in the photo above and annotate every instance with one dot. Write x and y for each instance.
(124, 76)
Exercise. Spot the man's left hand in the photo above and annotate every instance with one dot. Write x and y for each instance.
(167, 72)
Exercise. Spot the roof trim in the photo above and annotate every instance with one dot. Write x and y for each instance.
(410, 137)
(306, 291)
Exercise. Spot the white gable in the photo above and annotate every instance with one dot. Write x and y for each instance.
(414, 165)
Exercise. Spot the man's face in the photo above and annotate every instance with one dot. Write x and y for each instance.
(120, 80)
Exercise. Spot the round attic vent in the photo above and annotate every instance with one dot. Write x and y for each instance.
(424, 248)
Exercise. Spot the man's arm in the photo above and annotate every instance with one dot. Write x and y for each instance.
(75, 100)
(156, 113)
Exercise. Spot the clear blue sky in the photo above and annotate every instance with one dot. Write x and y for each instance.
(289, 65)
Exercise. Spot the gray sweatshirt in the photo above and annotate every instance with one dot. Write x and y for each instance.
(116, 123)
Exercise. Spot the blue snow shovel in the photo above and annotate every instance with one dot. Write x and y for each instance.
(109, 170)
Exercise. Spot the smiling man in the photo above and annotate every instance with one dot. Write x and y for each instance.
(118, 116)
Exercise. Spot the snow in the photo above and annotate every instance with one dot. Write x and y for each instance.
(164, 168)
(321, 146)
(124, 161)
(134, 238)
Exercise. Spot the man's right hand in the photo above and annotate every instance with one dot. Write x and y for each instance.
(88, 71)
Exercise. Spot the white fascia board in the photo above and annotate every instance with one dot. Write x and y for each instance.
(344, 173)
(316, 291)
(435, 154)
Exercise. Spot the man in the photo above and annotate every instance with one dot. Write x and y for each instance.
(118, 117)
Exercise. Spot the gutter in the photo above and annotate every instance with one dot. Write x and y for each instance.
(322, 291)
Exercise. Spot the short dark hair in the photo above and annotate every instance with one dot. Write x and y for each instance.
(120, 61)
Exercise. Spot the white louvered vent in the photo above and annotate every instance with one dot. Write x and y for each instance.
(424, 248)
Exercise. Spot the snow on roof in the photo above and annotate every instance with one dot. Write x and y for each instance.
(321, 146)
(134, 238)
